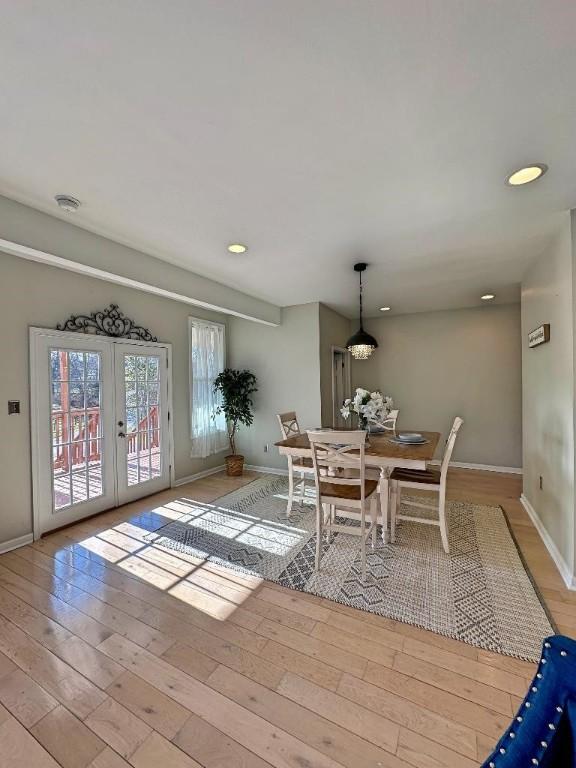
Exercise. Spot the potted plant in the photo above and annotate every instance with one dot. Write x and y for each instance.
(236, 389)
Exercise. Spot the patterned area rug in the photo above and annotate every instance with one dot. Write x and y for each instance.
(480, 593)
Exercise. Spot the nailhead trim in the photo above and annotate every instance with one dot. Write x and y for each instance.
(552, 726)
(544, 744)
(563, 653)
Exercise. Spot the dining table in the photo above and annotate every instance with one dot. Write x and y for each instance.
(382, 452)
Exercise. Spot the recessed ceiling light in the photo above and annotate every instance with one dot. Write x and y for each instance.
(487, 297)
(385, 309)
(237, 248)
(527, 174)
(67, 203)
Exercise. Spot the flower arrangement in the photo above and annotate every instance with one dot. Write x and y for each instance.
(369, 406)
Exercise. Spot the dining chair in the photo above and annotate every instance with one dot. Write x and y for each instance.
(389, 423)
(289, 427)
(424, 480)
(342, 489)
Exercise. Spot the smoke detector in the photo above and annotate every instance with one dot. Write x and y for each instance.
(67, 203)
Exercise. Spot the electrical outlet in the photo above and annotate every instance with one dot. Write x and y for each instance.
(541, 483)
(266, 447)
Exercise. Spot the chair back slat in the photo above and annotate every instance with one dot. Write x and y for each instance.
(389, 422)
(335, 451)
(450, 447)
(288, 424)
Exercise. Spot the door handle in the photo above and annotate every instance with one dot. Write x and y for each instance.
(121, 434)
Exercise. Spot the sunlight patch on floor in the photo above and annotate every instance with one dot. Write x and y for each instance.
(269, 536)
(191, 578)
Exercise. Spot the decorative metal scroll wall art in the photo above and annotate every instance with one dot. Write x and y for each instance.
(107, 322)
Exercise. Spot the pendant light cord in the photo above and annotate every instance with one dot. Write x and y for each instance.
(361, 326)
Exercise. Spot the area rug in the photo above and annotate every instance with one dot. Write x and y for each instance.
(480, 593)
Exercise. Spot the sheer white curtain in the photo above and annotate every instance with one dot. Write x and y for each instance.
(206, 362)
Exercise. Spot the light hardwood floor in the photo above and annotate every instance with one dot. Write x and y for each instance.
(113, 653)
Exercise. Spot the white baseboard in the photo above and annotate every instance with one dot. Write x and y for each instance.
(21, 541)
(483, 467)
(568, 578)
(222, 468)
(198, 475)
(267, 470)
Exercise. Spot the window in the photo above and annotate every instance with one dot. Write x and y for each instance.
(207, 349)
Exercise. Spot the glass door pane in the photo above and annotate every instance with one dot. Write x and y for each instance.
(142, 407)
(76, 426)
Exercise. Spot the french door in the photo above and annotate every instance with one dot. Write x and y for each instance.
(100, 424)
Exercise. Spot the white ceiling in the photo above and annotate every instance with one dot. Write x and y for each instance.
(316, 131)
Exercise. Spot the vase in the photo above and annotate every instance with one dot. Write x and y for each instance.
(363, 423)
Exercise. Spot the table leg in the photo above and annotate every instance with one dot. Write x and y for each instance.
(384, 497)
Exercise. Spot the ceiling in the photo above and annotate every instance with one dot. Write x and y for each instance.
(319, 132)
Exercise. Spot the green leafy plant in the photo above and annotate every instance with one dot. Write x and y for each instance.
(236, 389)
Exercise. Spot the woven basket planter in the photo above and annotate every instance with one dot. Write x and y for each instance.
(234, 465)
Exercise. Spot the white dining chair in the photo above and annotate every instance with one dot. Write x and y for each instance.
(342, 489)
(389, 423)
(303, 466)
(424, 480)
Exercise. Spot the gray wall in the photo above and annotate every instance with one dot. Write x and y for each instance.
(334, 332)
(286, 362)
(36, 295)
(548, 393)
(438, 365)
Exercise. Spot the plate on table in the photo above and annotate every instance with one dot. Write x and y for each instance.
(409, 438)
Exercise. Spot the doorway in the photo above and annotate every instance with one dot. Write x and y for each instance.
(341, 384)
(101, 432)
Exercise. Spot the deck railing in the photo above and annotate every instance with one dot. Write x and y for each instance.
(76, 438)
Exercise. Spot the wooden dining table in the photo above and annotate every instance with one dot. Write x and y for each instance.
(381, 453)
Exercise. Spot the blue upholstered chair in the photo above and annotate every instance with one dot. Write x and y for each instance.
(543, 732)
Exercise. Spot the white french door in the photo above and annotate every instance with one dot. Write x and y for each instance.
(100, 424)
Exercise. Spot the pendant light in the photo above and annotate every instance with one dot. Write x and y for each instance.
(361, 345)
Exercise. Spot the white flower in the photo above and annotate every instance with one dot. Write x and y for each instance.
(376, 407)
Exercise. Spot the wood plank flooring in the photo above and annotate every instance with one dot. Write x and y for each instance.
(114, 653)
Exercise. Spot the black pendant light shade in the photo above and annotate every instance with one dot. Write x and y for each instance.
(361, 344)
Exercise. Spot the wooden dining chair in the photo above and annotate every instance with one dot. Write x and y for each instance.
(303, 466)
(342, 489)
(424, 480)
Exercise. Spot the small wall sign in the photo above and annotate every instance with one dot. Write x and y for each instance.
(539, 335)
